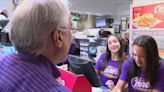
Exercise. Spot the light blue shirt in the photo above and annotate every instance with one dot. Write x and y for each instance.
(7, 49)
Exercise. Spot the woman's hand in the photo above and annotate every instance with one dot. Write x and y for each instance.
(119, 86)
(60, 81)
(110, 84)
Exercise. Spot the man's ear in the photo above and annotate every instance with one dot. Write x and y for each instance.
(57, 37)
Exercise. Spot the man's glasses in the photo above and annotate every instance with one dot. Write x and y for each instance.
(72, 29)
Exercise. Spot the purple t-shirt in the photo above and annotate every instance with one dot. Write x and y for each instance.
(138, 84)
(110, 72)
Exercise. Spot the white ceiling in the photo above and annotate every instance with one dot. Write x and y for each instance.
(99, 7)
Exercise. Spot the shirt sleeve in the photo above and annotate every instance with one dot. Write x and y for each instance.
(125, 67)
(99, 62)
(7, 50)
(160, 78)
(55, 71)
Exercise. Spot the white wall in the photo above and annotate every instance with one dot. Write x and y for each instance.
(92, 7)
(122, 11)
(146, 2)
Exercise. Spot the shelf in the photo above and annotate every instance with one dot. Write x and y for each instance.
(84, 49)
(83, 44)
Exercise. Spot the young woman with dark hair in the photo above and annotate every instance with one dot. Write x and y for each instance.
(143, 72)
(108, 67)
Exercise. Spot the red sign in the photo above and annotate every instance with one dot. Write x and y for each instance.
(148, 16)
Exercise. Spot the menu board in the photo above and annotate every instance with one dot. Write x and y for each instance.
(149, 16)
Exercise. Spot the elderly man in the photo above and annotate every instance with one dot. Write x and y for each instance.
(40, 32)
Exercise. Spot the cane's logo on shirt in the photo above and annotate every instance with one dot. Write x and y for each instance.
(138, 83)
(110, 72)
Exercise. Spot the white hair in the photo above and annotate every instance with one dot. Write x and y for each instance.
(34, 20)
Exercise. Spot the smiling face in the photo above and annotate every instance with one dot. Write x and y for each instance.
(113, 44)
(139, 56)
